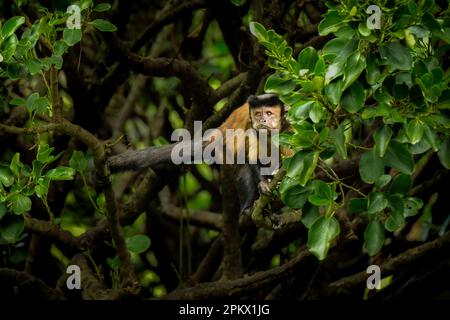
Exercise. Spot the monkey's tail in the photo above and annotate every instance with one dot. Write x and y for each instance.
(140, 159)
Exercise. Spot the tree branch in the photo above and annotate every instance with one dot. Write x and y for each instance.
(23, 279)
(239, 287)
(393, 264)
(164, 19)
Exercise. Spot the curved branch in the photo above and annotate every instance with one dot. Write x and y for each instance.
(393, 264)
(238, 287)
(22, 279)
(227, 88)
(166, 18)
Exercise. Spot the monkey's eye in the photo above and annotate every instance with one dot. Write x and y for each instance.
(258, 114)
(269, 113)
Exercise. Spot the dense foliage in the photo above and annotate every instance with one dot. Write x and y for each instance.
(369, 108)
(389, 79)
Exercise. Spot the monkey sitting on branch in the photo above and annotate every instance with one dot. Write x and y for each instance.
(243, 140)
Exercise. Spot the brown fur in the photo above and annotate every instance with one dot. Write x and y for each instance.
(240, 119)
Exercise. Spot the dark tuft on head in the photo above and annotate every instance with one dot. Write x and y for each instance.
(267, 99)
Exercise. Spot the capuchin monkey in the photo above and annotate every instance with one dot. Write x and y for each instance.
(260, 117)
(263, 114)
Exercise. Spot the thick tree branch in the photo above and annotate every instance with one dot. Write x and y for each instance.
(232, 259)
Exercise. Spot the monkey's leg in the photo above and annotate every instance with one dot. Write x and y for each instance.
(247, 179)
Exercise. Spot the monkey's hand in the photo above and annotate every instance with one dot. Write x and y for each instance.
(264, 188)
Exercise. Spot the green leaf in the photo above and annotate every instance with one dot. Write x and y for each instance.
(321, 234)
(331, 23)
(444, 153)
(113, 263)
(401, 184)
(377, 202)
(41, 190)
(318, 201)
(44, 154)
(16, 165)
(278, 84)
(138, 243)
(303, 138)
(382, 136)
(310, 214)
(383, 181)
(317, 112)
(322, 189)
(71, 36)
(317, 82)
(393, 222)
(430, 22)
(371, 167)
(295, 165)
(258, 31)
(11, 26)
(399, 157)
(60, 173)
(373, 237)
(355, 65)
(37, 104)
(431, 137)
(17, 102)
(334, 70)
(363, 30)
(323, 194)
(301, 166)
(382, 95)
(357, 205)
(6, 176)
(307, 58)
(347, 32)
(396, 56)
(300, 110)
(396, 207)
(20, 203)
(412, 206)
(292, 194)
(382, 110)
(102, 7)
(8, 48)
(103, 25)
(55, 60)
(414, 131)
(353, 98)
(339, 140)
(60, 47)
(78, 161)
(11, 228)
(334, 47)
(319, 68)
(16, 71)
(333, 91)
(34, 66)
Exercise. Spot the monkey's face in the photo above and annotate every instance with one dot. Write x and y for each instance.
(266, 117)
